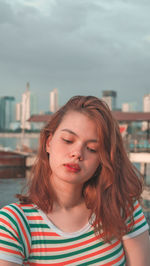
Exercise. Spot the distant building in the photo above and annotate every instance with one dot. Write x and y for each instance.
(18, 111)
(146, 108)
(54, 100)
(146, 103)
(7, 112)
(28, 107)
(110, 98)
(129, 107)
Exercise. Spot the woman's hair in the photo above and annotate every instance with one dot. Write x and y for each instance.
(110, 193)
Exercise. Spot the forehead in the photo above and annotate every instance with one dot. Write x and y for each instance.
(78, 123)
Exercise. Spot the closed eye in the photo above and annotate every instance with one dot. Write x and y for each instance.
(91, 150)
(67, 140)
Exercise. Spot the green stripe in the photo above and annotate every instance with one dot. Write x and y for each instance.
(29, 210)
(123, 263)
(70, 254)
(138, 212)
(39, 226)
(9, 232)
(10, 244)
(23, 218)
(60, 241)
(102, 258)
(17, 226)
(138, 227)
(135, 215)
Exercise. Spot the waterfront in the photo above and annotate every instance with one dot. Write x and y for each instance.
(16, 142)
(8, 188)
(13, 180)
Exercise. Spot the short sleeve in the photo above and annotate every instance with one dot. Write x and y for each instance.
(15, 240)
(139, 224)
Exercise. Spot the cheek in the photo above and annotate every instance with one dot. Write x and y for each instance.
(92, 166)
(55, 158)
(95, 165)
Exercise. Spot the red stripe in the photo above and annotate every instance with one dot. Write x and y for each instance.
(136, 206)
(24, 204)
(7, 236)
(137, 221)
(11, 251)
(7, 224)
(114, 261)
(21, 226)
(34, 218)
(44, 234)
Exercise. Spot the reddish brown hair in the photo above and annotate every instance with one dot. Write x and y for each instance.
(110, 193)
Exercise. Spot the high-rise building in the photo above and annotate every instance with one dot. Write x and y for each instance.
(129, 107)
(54, 100)
(7, 112)
(28, 107)
(110, 98)
(146, 103)
(146, 108)
(18, 111)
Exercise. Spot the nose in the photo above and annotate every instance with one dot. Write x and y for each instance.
(77, 155)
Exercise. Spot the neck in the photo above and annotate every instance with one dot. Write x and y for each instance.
(68, 195)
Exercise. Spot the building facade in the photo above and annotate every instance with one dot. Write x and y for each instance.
(28, 108)
(7, 112)
(129, 107)
(110, 98)
(146, 108)
(146, 103)
(54, 100)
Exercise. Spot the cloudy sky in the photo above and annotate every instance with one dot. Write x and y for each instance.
(78, 46)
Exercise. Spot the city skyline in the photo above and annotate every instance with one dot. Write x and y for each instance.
(80, 47)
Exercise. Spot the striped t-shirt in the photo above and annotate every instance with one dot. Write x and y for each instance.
(28, 237)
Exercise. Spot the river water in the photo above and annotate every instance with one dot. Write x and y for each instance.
(8, 189)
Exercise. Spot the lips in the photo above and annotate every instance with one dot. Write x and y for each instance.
(72, 167)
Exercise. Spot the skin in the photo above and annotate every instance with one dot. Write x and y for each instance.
(70, 145)
(137, 250)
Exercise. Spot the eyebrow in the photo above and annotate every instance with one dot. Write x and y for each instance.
(73, 133)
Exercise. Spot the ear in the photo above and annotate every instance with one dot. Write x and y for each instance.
(48, 142)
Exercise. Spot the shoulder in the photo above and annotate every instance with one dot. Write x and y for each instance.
(139, 224)
(15, 233)
(14, 215)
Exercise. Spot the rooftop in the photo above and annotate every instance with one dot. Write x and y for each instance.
(118, 115)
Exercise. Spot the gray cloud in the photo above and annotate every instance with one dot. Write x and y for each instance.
(78, 46)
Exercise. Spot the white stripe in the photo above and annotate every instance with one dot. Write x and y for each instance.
(136, 233)
(10, 258)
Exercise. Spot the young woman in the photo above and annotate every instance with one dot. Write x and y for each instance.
(82, 203)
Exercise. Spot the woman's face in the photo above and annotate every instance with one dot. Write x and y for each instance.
(73, 149)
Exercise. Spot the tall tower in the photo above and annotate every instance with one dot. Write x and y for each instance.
(7, 112)
(146, 108)
(146, 103)
(18, 111)
(28, 107)
(110, 98)
(54, 100)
